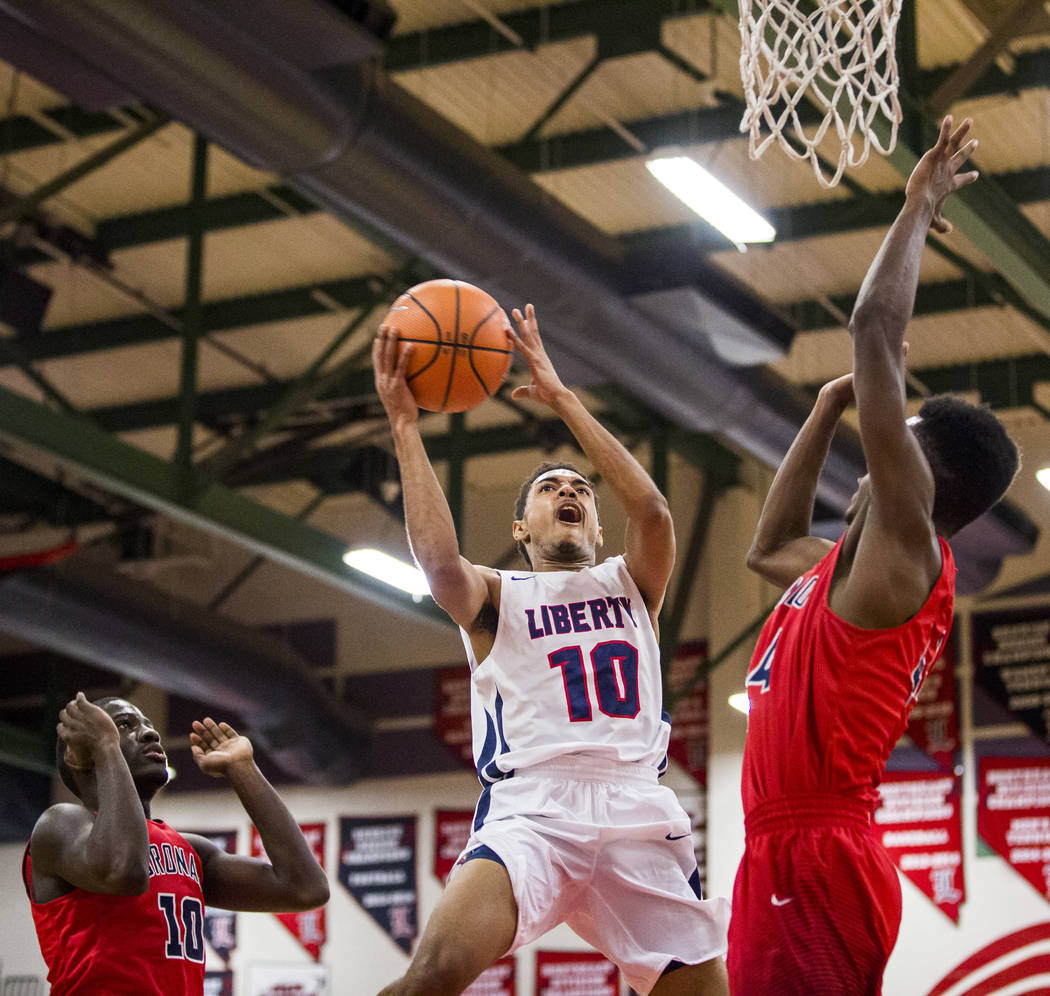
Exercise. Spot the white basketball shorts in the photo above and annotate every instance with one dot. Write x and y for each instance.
(602, 846)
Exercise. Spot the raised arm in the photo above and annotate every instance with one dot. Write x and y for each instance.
(457, 585)
(783, 548)
(291, 879)
(649, 544)
(105, 852)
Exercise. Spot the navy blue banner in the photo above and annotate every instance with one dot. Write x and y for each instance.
(220, 926)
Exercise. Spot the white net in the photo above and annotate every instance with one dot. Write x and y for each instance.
(835, 65)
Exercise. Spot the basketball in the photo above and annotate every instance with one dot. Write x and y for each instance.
(461, 349)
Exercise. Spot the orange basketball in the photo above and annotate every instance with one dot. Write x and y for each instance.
(461, 350)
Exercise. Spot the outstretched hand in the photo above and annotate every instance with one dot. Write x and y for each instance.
(218, 746)
(391, 368)
(546, 385)
(937, 175)
(85, 728)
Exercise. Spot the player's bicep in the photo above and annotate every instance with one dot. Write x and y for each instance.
(238, 882)
(782, 565)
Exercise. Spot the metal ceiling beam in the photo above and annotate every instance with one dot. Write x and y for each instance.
(152, 482)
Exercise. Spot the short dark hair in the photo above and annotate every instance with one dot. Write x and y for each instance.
(972, 458)
(526, 487)
(64, 771)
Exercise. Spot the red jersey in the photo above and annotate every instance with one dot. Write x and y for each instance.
(829, 700)
(148, 945)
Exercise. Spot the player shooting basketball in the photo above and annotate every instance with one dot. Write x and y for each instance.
(839, 663)
(566, 698)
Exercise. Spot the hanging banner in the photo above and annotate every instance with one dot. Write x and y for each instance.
(377, 866)
(1013, 815)
(266, 979)
(920, 824)
(497, 980)
(688, 744)
(452, 711)
(309, 927)
(220, 926)
(1011, 653)
(451, 831)
(218, 984)
(575, 973)
(934, 723)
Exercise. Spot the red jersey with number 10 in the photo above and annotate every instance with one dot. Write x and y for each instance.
(148, 945)
(829, 700)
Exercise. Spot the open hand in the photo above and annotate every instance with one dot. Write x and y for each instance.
(85, 728)
(546, 385)
(390, 368)
(217, 746)
(937, 174)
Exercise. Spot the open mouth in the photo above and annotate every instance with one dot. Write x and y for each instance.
(570, 513)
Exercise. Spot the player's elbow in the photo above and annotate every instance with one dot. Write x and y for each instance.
(311, 894)
(126, 879)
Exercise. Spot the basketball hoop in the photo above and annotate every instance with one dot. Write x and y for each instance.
(839, 58)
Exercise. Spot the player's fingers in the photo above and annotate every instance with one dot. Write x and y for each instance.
(227, 730)
(404, 357)
(964, 153)
(960, 133)
(965, 179)
(946, 131)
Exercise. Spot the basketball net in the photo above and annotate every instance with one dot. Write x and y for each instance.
(840, 59)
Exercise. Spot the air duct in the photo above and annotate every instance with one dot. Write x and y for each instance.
(362, 147)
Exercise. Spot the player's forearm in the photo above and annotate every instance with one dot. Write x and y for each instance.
(630, 482)
(301, 883)
(788, 510)
(431, 531)
(887, 296)
(117, 847)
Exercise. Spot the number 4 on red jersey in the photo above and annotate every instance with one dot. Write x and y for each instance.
(759, 675)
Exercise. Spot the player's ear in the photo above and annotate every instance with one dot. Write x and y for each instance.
(520, 531)
(599, 540)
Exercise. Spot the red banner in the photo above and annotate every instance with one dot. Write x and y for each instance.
(451, 830)
(1013, 815)
(307, 928)
(452, 712)
(688, 744)
(934, 724)
(575, 973)
(497, 980)
(920, 825)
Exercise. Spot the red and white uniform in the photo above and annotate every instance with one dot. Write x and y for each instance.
(816, 904)
(148, 945)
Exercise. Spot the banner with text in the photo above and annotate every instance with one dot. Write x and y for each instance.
(688, 745)
(1011, 654)
(267, 979)
(934, 721)
(308, 928)
(218, 984)
(451, 831)
(452, 711)
(575, 973)
(497, 980)
(920, 824)
(377, 866)
(1013, 814)
(220, 926)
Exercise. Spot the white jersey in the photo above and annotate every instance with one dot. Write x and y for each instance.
(574, 669)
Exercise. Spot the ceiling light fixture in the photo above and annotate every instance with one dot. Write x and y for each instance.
(711, 199)
(1043, 477)
(389, 570)
(740, 702)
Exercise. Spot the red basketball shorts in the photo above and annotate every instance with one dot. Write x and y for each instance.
(816, 903)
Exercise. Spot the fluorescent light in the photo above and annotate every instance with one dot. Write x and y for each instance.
(740, 702)
(711, 199)
(389, 570)
(1043, 477)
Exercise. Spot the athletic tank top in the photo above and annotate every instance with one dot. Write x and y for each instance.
(148, 945)
(829, 700)
(574, 668)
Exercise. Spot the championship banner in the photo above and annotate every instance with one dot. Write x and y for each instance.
(1011, 653)
(496, 980)
(377, 866)
(688, 745)
(1013, 814)
(452, 712)
(220, 926)
(575, 973)
(451, 830)
(934, 723)
(218, 984)
(309, 927)
(920, 824)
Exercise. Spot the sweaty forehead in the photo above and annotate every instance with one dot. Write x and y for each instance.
(121, 706)
(559, 474)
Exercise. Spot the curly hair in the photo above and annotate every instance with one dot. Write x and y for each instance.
(526, 487)
(972, 458)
